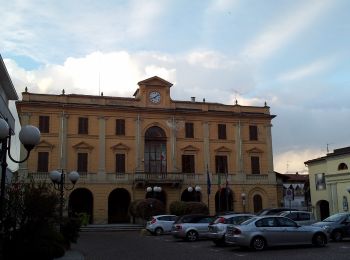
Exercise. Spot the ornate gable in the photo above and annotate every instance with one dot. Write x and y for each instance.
(223, 149)
(120, 147)
(155, 81)
(83, 146)
(255, 150)
(44, 145)
(190, 148)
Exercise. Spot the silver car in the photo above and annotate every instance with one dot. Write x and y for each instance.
(263, 231)
(160, 224)
(191, 227)
(300, 217)
(217, 229)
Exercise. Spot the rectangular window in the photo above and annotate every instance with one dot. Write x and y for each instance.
(82, 162)
(44, 123)
(221, 164)
(253, 133)
(255, 163)
(188, 163)
(120, 163)
(43, 161)
(189, 130)
(221, 131)
(83, 127)
(120, 127)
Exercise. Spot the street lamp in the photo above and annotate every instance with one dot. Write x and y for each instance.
(29, 137)
(154, 190)
(243, 196)
(58, 179)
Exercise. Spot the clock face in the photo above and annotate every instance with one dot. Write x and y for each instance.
(154, 97)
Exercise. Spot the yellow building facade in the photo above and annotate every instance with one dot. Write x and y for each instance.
(330, 183)
(152, 146)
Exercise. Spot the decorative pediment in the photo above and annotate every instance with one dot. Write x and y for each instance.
(120, 147)
(223, 149)
(83, 146)
(155, 81)
(255, 150)
(44, 145)
(190, 148)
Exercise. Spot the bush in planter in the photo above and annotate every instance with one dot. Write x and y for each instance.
(146, 208)
(30, 222)
(188, 207)
(193, 207)
(150, 207)
(178, 208)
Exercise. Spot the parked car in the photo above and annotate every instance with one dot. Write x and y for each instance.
(272, 211)
(262, 231)
(337, 225)
(300, 217)
(217, 229)
(191, 227)
(160, 224)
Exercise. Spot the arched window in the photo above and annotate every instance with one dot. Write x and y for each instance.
(342, 166)
(155, 150)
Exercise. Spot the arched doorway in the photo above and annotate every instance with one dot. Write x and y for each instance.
(257, 203)
(118, 206)
(81, 201)
(191, 195)
(159, 195)
(155, 150)
(323, 208)
(224, 200)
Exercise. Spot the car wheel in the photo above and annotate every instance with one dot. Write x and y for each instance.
(158, 231)
(319, 240)
(219, 242)
(337, 235)
(258, 243)
(192, 235)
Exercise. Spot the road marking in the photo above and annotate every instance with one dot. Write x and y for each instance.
(239, 255)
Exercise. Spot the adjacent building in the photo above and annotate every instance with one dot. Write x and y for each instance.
(149, 145)
(330, 182)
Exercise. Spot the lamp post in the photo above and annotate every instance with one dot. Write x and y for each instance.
(29, 137)
(59, 181)
(195, 195)
(154, 190)
(243, 196)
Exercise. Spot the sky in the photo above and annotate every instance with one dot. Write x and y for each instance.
(293, 54)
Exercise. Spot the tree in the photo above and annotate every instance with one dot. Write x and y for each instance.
(31, 222)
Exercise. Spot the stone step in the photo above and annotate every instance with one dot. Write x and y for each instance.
(111, 227)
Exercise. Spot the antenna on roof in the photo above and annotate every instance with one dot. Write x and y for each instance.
(99, 81)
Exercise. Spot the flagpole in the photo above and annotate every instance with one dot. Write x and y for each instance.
(208, 187)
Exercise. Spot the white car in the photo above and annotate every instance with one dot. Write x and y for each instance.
(300, 217)
(160, 224)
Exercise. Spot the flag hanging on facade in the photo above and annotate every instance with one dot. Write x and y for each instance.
(208, 181)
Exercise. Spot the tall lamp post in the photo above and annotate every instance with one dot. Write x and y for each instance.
(243, 196)
(58, 179)
(29, 137)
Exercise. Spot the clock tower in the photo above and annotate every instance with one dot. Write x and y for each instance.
(154, 92)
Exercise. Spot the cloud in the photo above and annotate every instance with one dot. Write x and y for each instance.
(282, 30)
(305, 71)
(292, 161)
(117, 73)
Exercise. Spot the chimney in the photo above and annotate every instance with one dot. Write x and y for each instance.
(193, 99)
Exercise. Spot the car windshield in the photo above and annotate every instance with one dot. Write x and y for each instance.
(248, 221)
(335, 217)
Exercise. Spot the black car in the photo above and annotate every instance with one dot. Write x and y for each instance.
(337, 226)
